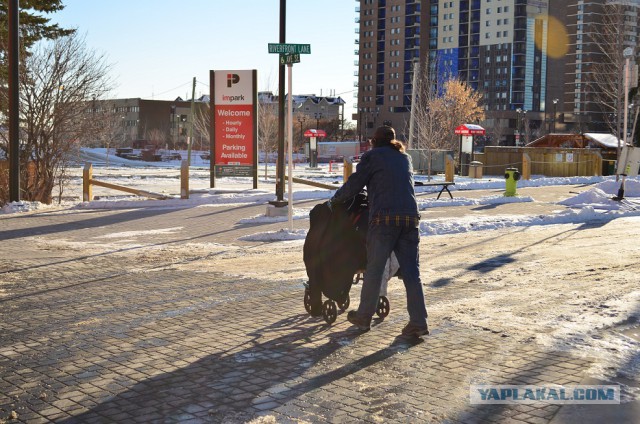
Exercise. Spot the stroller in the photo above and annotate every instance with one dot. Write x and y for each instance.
(334, 251)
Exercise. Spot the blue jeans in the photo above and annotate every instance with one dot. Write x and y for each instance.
(381, 241)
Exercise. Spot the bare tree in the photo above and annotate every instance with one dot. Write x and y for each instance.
(349, 130)
(607, 84)
(427, 126)
(105, 127)
(202, 122)
(439, 109)
(157, 137)
(267, 129)
(496, 130)
(58, 82)
(427, 129)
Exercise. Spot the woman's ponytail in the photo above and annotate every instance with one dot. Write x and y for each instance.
(396, 144)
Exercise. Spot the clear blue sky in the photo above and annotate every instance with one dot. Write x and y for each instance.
(156, 47)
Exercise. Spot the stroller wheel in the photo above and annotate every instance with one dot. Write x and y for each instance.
(307, 300)
(344, 305)
(383, 307)
(329, 311)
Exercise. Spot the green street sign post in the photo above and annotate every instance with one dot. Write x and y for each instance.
(288, 59)
(284, 48)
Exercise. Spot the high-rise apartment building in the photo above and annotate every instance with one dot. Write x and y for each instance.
(599, 32)
(527, 58)
(390, 39)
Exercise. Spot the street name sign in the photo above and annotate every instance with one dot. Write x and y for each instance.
(287, 59)
(284, 48)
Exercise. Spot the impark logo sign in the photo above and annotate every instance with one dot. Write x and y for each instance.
(235, 122)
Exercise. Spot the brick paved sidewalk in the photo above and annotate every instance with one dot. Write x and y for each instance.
(146, 331)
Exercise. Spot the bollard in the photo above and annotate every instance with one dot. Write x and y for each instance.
(184, 180)
(347, 170)
(449, 169)
(87, 175)
(511, 176)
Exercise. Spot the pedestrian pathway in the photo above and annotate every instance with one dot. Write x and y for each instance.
(182, 325)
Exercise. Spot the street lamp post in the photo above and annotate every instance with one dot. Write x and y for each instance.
(318, 117)
(524, 127)
(522, 114)
(621, 163)
(124, 130)
(315, 149)
(518, 129)
(302, 119)
(628, 53)
(555, 108)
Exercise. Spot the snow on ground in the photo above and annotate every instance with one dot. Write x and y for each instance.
(594, 205)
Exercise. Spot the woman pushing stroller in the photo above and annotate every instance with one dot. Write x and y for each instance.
(387, 173)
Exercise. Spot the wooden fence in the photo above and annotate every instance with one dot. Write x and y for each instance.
(547, 161)
(88, 182)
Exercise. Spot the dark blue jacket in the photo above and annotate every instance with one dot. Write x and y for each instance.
(388, 175)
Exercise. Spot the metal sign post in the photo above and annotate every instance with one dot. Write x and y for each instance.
(290, 146)
(289, 54)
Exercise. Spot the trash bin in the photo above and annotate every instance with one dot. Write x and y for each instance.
(475, 169)
(511, 176)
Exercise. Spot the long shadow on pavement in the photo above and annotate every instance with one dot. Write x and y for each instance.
(81, 224)
(237, 386)
(110, 220)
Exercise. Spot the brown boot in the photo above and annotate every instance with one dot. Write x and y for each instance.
(415, 330)
(363, 324)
